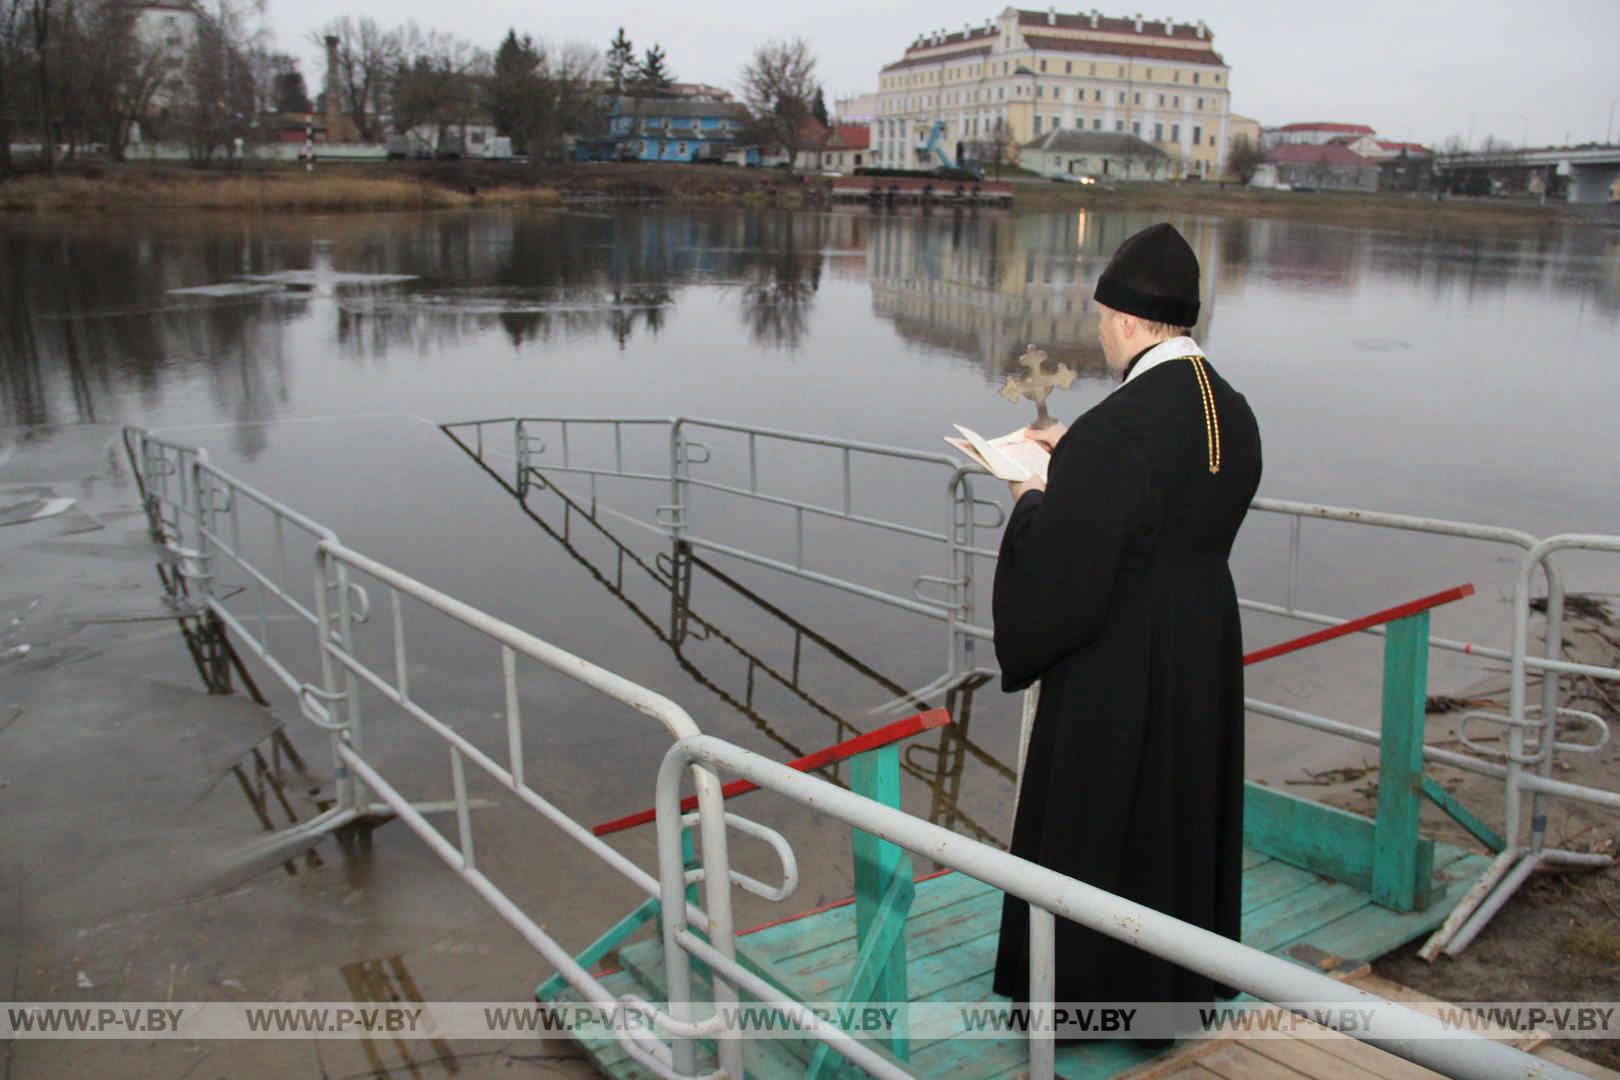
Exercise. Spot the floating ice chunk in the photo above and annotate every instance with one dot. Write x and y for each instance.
(33, 510)
(312, 278)
(230, 288)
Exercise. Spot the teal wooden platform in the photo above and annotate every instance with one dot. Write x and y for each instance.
(951, 946)
(1322, 887)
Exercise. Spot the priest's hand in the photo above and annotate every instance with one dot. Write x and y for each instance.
(1034, 483)
(1047, 436)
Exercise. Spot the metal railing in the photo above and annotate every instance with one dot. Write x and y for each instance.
(954, 551)
(1400, 1031)
(194, 511)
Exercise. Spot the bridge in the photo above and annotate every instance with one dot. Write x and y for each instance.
(1585, 173)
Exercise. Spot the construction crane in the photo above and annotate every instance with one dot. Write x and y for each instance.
(932, 148)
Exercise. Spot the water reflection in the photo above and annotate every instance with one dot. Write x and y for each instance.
(733, 663)
(82, 319)
(91, 328)
(987, 288)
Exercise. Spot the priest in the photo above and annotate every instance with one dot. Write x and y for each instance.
(1113, 593)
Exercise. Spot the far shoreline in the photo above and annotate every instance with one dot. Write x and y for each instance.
(78, 189)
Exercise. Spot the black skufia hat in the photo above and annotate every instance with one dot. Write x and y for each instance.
(1153, 275)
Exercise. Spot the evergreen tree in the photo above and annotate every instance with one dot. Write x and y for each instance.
(621, 62)
(818, 108)
(513, 85)
(653, 78)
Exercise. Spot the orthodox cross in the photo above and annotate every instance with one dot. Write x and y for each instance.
(1038, 384)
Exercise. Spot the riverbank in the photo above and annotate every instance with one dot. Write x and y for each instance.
(1558, 938)
(337, 187)
(1380, 210)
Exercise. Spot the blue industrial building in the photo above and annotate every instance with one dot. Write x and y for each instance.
(666, 129)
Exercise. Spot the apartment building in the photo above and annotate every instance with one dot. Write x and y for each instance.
(983, 91)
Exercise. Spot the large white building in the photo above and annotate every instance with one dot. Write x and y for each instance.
(987, 89)
(170, 27)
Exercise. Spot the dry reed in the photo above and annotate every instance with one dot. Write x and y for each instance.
(251, 193)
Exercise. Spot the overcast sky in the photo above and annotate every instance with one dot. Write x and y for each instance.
(1413, 69)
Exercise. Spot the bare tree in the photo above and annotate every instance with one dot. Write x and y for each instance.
(114, 73)
(779, 86)
(41, 15)
(440, 80)
(220, 93)
(1243, 157)
(11, 63)
(366, 58)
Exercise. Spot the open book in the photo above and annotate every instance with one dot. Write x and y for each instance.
(1006, 457)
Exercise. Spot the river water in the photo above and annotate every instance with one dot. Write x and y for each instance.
(1454, 375)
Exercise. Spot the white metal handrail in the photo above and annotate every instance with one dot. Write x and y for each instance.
(957, 608)
(190, 501)
(1403, 1032)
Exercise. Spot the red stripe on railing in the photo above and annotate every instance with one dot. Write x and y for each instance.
(860, 744)
(1399, 611)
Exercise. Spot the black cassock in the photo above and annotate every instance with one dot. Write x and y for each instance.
(1113, 590)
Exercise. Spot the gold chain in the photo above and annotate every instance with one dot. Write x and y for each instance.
(1212, 421)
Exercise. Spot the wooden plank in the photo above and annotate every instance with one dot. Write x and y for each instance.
(1390, 990)
(1304, 1056)
(1253, 858)
(1463, 816)
(828, 968)
(1371, 1060)
(1237, 1061)
(1009, 1057)
(1284, 921)
(1402, 867)
(1273, 881)
(1565, 1060)
(882, 949)
(784, 940)
(647, 911)
(1371, 931)
(1172, 1064)
(1322, 839)
(1100, 1060)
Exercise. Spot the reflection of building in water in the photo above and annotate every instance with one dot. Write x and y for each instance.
(989, 288)
(779, 685)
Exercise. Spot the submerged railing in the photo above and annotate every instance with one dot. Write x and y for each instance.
(196, 513)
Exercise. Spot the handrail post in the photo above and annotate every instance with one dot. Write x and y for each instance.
(1042, 989)
(342, 777)
(876, 775)
(351, 685)
(1549, 704)
(1399, 881)
(522, 448)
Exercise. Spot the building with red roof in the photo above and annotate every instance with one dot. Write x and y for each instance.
(1313, 133)
(1322, 167)
(843, 148)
